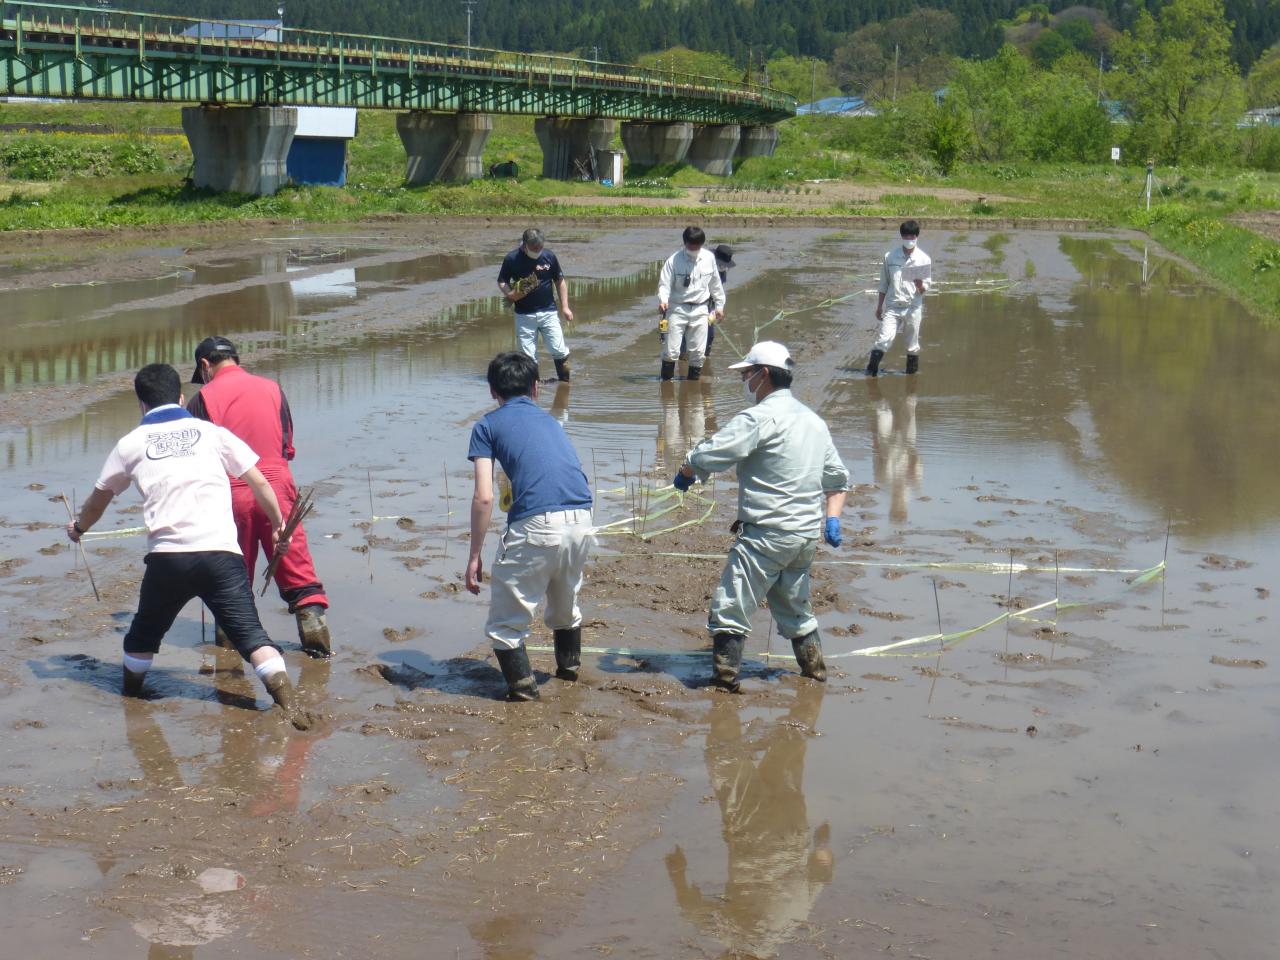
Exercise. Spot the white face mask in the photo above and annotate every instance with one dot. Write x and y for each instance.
(748, 393)
(908, 245)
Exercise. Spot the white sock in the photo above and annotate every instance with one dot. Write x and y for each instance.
(269, 668)
(137, 664)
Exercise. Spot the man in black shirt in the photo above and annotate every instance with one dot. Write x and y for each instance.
(530, 278)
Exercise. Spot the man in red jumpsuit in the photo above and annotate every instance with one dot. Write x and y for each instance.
(255, 410)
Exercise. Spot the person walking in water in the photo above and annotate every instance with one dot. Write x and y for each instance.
(904, 280)
(180, 465)
(530, 279)
(791, 491)
(549, 531)
(255, 410)
(689, 292)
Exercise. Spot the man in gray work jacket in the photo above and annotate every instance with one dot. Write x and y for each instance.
(790, 478)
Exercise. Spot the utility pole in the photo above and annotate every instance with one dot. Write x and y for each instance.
(1151, 175)
(595, 53)
(895, 73)
(813, 84)
(470, 5)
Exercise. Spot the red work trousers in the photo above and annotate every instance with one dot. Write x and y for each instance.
(296, 573)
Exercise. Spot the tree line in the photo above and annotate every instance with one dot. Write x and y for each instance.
(754, 32)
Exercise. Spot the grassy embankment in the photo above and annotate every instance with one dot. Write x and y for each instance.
(133, 176)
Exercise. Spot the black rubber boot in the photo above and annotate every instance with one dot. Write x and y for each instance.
(726, 660)
(562, 369)
(913, 362)
(873, 364)
(808, 650)
(668, 369)
(132, 686)
(281, 691)
(313, 631)
(695, 373)
(568, 653)
(518, 674)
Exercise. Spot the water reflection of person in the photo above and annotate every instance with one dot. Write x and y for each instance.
(894, 455)
(687, 412)
(560, 402)
(776, 869)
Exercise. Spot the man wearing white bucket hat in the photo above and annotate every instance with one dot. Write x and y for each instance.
(791, 491)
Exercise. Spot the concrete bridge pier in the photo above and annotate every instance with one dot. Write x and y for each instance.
(443, 146)
(758, 141)
(240, 149)
(714, 147)
(656, 144)
(565, 141)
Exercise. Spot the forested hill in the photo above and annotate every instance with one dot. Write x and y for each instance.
(623, 29)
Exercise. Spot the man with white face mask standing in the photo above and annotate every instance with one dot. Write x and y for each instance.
(904, 280)
(791, 491)
(689, 291)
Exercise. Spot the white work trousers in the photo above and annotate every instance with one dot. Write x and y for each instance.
(891, 317)
(539, 556)
(546, 322)
(765, 565)
(687, 321)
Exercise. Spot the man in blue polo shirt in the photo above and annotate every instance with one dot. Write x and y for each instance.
(548, 535)
(530, 278)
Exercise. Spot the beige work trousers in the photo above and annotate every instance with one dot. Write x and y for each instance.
(539, 556)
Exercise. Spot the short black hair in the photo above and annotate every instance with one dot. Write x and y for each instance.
(694, 235)
(157, 384)
(512, 375)
(909, 229)
(780, 378)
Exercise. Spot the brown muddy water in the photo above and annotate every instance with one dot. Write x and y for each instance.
(1093, 780)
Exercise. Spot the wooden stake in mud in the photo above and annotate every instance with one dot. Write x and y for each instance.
(83, 556)
(301, 507)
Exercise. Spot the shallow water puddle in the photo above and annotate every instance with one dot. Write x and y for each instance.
(1085, 779)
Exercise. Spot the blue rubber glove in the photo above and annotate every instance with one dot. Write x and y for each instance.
(682, 483)
(831, 532)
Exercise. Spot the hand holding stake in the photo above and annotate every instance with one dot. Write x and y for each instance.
(83, 556)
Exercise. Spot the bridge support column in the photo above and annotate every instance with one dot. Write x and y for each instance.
(654, 144)
(714, 147)
(565, 142)
(758, 142)
(443, 146)
(240, 149)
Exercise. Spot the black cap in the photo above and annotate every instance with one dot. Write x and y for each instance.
(724, 253)
(213, 349)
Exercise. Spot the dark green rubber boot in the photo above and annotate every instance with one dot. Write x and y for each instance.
(873, 364)
(518, 674)
(726, 660)
(568, 653)
(808, 650)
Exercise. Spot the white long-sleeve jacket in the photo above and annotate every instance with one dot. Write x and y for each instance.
(704, 280)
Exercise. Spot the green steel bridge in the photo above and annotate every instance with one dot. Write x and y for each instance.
(87, 53)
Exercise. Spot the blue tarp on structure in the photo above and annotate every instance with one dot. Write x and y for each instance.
(835, 105)
(318, 161)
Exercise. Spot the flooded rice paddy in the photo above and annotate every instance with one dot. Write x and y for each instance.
(1092, 778)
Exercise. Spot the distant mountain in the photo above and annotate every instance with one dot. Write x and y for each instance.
(623, 29)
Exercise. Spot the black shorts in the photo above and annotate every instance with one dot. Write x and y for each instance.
(218, 577)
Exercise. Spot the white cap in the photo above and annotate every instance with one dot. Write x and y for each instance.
(766, 353)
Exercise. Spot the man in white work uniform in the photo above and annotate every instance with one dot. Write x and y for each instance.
(689, 291)
(791, 490)
(904, 280)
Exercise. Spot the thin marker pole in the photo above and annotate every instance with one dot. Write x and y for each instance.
(83, 556)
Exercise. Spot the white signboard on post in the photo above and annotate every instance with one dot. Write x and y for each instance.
(1115, 154)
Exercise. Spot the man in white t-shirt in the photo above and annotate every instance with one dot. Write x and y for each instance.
(905, 277)
(180, 466)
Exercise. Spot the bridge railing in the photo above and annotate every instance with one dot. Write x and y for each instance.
(95, 29)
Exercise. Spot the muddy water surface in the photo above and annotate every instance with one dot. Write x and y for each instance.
(1095, 779)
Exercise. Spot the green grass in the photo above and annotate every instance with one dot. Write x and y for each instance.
(130, 177)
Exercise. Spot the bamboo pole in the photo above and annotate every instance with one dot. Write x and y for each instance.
(83, 556)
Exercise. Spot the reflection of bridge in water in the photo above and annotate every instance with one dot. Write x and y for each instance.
(449, 91)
